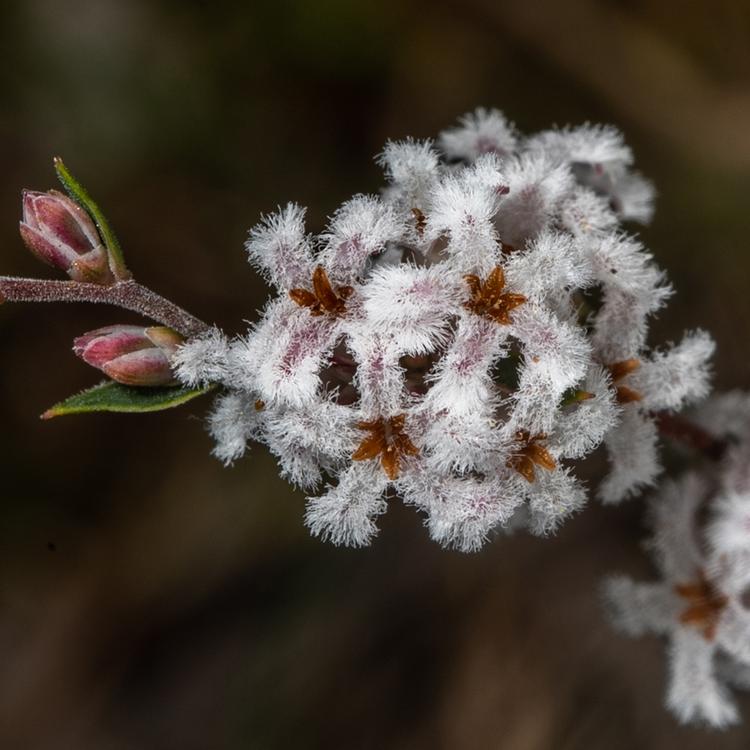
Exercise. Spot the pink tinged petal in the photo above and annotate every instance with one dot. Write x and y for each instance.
(48, 251)
(146, 367)
(133, 355)
(59, 217)
(62, 234)
(345, 514)
(289, 352)
(28, 205)
(462, 512)
(462, 379)
(105, 344)
(279, 247)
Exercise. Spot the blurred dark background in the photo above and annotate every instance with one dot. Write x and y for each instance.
(150, 598)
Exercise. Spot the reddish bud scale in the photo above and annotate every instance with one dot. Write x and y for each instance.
(132, 355)
(60, 233)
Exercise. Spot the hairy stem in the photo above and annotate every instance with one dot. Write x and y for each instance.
(126, 294)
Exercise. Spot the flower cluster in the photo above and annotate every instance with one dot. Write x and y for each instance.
(701, 547)
(459, 339)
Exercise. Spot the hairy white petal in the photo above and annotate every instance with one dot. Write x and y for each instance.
(203, 359)
(633, 289)
(600, 159)
(279, 248)
(584, 213)
(633, 459)
(553, 497)
(694, 694)
(550, 267)
(323, 427)
(345, 514)
(581, 426)
(633, 197)
(412, 169)
(674, 543)
(463, 207)
(462, 381)
(679, 375)
(233, 421)
(553, 348)
(379, 377)
(480, 132)
(589, 144)
(639, 608)
(537, 187)
(462, 512)
(465, 441)
(413, 306)
(360, 229)
(283, 356)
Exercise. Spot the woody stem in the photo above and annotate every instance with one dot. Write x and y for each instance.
(126, 294)
(688, 433)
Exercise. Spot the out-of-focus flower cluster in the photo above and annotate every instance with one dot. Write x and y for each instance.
(458, 340)
(701, 546)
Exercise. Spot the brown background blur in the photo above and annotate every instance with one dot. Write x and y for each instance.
(151, 599)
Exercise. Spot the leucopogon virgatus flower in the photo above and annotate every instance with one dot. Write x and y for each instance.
(458, 340)
(700, 543)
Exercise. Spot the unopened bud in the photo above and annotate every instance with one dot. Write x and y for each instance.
(132, 355)
(59, 232)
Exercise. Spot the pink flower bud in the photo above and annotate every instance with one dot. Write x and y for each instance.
(132, 355)
(59, 232)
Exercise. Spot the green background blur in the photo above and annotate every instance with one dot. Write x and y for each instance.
(150, 598)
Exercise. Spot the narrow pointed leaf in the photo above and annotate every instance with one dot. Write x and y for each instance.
(79, 194)
(115, 397)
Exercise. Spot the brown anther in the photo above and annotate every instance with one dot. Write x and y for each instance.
(323, 299)
(620, 370)
(260, 405)
(705, 605)
(531, 454)
(625, 395)
(420, 219)
(488, 299)
(388, 440)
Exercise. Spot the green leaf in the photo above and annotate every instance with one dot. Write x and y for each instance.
(111, 396)
(81, 196)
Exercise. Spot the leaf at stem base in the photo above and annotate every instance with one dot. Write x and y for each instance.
(115, 397)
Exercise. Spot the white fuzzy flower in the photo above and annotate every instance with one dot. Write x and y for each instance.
(698, 601)
(280, 249)
(480, 132)
(459, 341)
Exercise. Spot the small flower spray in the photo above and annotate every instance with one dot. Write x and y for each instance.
(457, 342)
